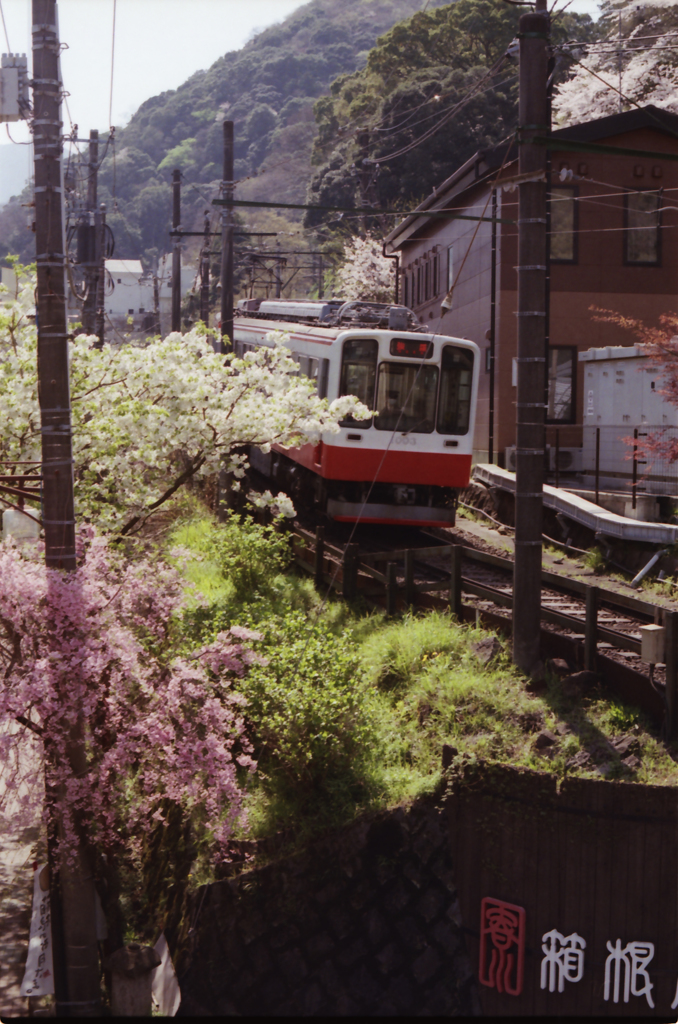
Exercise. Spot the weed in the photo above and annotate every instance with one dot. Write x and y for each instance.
(352, 710)
(595, 560)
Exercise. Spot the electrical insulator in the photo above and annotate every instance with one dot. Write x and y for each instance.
(14, 103)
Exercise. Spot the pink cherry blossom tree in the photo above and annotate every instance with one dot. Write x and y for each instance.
(89, 663)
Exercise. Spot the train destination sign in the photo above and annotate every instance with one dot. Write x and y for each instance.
(411, 348)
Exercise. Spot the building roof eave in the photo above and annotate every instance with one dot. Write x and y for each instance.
(490, 160)
(475, 171)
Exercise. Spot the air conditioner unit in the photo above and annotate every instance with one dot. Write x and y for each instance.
(569, 459)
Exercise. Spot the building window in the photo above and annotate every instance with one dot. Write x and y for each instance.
(406, 290)
(436, 275)
(130, 312)
(450, 267)
(427, 280)
(563, 210)
(641, 221)
(562, 363)
(419, 289)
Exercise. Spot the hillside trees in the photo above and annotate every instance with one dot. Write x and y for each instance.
(647, 59)
(421, 70)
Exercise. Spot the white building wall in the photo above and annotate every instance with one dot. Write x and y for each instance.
(622, 394)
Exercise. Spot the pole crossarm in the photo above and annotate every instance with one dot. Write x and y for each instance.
(452, 214)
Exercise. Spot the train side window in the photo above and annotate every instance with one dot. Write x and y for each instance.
(358, 374)
(456, 378)
(323, 373)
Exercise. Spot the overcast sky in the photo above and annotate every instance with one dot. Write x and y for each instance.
(158, 45)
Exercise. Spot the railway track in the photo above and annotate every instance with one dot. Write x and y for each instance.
(486, 582)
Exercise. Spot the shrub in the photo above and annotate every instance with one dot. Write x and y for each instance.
(250, 556)
(312, 720)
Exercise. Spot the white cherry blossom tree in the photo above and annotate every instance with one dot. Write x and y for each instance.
(366, 273)
(646, 62)
(148, 418)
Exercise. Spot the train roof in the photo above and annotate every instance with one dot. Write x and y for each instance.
(331, 313)
(325, 334)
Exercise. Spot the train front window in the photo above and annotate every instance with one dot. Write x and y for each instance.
(454, 408)
(358, 374)
(406, 398)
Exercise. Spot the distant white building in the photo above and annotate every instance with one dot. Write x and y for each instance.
(9, 279)
(130, 299)
(132, 294)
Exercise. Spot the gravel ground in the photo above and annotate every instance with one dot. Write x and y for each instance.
(20, 846)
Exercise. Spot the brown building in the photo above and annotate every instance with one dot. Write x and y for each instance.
(613, 246)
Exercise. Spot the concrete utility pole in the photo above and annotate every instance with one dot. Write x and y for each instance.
(227, 189)
(533, 120)
(176, 251)
(76, 955)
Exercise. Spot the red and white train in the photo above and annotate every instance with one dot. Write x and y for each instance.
(406, 464)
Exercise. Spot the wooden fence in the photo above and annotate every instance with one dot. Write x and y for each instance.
(353, 574)
(563, 890)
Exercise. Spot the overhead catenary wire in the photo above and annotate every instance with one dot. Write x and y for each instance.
(110, 100)
(4, 28)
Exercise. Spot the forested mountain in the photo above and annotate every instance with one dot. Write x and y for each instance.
(417, 80)
(638, 50)
(267, 88)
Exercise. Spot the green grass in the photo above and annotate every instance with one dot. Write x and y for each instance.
(352, 710)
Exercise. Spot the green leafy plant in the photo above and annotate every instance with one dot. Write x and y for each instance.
(312, 720)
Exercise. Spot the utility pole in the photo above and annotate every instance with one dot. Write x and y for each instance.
(87, 232)
(533, 120)
(156, 304)
(100, 278)
(227, 189)
(176, 251)
(72, 887)
(364, 175)
(205, 273)
(278, 271)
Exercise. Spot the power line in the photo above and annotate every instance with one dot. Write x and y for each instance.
(110, 101)
(2, 14)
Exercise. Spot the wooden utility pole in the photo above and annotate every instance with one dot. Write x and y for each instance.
(227, 189)
(533, 120)
(176, 250)
(77, 985)
(101, 274)
(87, 250)
(321, 276)
(364, 175)
(205, 273)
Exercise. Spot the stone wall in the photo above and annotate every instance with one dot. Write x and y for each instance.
(365, 921)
